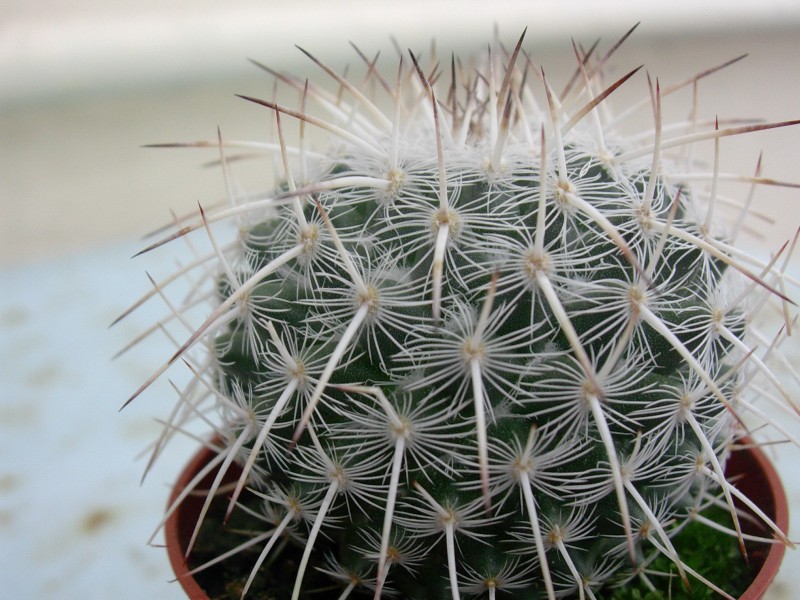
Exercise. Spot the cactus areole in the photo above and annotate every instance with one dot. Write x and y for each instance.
(483, 342)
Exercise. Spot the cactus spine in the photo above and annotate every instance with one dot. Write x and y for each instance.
(483, 342)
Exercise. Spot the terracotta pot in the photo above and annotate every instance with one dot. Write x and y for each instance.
(760, 482)
(180, 525)
(752, 470)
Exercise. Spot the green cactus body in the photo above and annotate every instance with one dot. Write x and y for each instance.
(486, 348)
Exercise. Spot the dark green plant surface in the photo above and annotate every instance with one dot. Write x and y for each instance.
(566, 392)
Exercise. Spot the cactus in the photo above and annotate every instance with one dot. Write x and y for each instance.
(483, 344)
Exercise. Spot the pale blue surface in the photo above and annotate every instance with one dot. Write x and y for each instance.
(74, 520)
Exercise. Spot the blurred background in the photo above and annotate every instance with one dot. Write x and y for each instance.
(84, 84)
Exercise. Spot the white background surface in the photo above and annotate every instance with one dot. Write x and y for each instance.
(84, 84)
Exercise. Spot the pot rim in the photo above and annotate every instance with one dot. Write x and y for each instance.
(750, 456)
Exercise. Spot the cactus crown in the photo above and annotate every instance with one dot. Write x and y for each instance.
(484, 343)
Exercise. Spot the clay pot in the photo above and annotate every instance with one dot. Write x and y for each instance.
(181, 523)
(755, 476)
(749, 468)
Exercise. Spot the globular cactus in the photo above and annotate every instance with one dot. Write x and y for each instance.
(483, 344)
